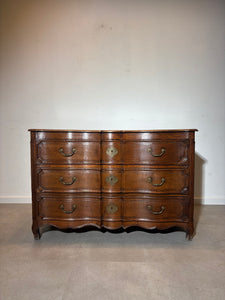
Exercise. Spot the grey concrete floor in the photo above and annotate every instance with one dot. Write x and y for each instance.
(95, 265)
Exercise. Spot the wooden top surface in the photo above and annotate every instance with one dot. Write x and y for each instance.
(78, 130)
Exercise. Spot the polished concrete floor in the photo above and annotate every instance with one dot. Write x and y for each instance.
(95, 265)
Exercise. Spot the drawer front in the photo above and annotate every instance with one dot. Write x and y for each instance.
(156, 152)
(55, 152)
(156, 209)
(156, 181)
(69, 208)
(68, 180)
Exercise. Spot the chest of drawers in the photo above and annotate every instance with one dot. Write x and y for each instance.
(112, 179)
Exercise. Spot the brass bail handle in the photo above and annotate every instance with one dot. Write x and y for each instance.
(68, 211)
(74, 150)
(163, 150)
(162, 208)
(61, 179)
(163, 180)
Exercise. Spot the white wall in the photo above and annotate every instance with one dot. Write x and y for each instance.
(112, 65)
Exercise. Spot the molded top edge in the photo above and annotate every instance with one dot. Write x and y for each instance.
(99, 131)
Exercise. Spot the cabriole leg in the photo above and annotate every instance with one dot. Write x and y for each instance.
(36, 232)
(190, 232)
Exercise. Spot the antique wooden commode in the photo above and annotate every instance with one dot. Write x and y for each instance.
(112, 179)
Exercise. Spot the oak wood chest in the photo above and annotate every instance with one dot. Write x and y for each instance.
(112, 179)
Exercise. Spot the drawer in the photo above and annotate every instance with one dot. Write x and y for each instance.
(68, 180)
(156, 152)
(69, 208)
(156, 181)
(66, 152)
(156, 209)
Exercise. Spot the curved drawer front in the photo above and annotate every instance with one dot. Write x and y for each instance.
(156, 152)
(69, 209)
(69, 180)
(156, 209)
(66, 152)
(156, 181)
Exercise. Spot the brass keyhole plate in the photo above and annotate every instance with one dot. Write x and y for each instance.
(111, 208)
(111, 179)
(111, 151)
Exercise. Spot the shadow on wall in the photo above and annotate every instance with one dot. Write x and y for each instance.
(199, 178)
(199, 187)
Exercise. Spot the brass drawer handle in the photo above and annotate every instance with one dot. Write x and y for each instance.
(163, 150)
(74, 150)
(61, 179)
(112, 208)
(68, 211)
(163, 180)
(149, 207)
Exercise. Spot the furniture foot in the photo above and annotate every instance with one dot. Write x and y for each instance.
(37, 236)
(36, 232)
(190, 232)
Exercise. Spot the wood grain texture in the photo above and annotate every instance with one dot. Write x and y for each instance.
(69, 180)
(156, 152)
(70, 209)
(156, 209)
(156, 181)
(112, 179)
(67, 152)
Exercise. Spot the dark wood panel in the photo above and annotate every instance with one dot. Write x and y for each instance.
(69, 224)
(156, 152)
(156, 181)
(69, 209)
(156, 209)
(35, 216)
(112, 135)
(157, 135)
(68, 135)
(55, 152)
(153, 225)
(114, 131)
(68, 180)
